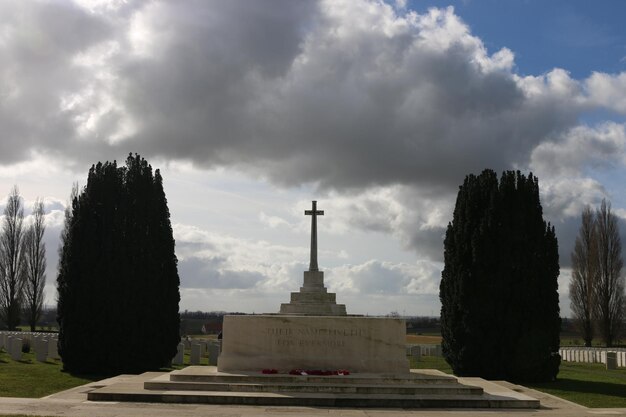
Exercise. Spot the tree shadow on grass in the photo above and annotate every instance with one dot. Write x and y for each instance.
(89, 377)
(586, 387)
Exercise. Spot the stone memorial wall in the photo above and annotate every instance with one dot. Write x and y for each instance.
(360, 344)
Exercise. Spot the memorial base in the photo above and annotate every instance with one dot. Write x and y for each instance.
(284, 343)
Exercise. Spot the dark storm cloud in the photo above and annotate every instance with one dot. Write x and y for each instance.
(341, 94)
(348, 101)
(210, 273)
(351, 96)
(38, 42)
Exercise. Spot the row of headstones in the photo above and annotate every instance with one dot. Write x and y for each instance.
(198, 349)
(44, 344)
(416, 351)
(612, 358)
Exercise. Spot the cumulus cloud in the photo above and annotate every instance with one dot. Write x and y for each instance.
(580, 149)
(209, 272)
(608, 90)
(37, 44)
(416, 217)
(218, 265)
(341, 94)
(379, 277)
(382, 111)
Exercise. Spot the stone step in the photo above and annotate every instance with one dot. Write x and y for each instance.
(313, 297)
(439, 389)
(423, 388)
(312, 399)
(210, 374)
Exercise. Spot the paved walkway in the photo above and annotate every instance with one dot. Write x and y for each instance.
(73, 403)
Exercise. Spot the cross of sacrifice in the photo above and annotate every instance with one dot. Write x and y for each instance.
(314, 213)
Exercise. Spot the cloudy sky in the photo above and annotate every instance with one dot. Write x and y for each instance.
(378, 110)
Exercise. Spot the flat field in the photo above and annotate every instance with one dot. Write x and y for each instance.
(590, 385)
(31, 379)
(419, 339)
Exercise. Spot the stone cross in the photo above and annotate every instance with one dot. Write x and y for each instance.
(314, 213)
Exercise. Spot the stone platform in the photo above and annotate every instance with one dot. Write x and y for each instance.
(416, 389)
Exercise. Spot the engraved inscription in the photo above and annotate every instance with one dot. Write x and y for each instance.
(322, 337)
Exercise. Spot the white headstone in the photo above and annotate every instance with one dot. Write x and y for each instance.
(180, 355)
(214, 353)
(416, 352)
(611, 360)
(16, 349)
(53, 351)
(196, 349)
(41, 349)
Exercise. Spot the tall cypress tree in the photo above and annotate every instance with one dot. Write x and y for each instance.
(500, 313)
(118, 280)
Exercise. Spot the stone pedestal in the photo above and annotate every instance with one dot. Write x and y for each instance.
(313, 298)
(284, 342)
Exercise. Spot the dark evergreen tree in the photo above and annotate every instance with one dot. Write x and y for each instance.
(500, 307)
(118, 280)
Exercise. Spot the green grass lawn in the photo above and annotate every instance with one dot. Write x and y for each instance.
(574, 339)
(588, 384)
(431, 362)
(31, 379)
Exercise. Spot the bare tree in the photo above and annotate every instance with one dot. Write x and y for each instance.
(585, 275)
(609, 291)
(11, 261)
(34, 266)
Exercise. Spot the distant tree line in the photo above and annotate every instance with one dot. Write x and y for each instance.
(22, 263)
(204, 314)
(425, 324)
(597, 284)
